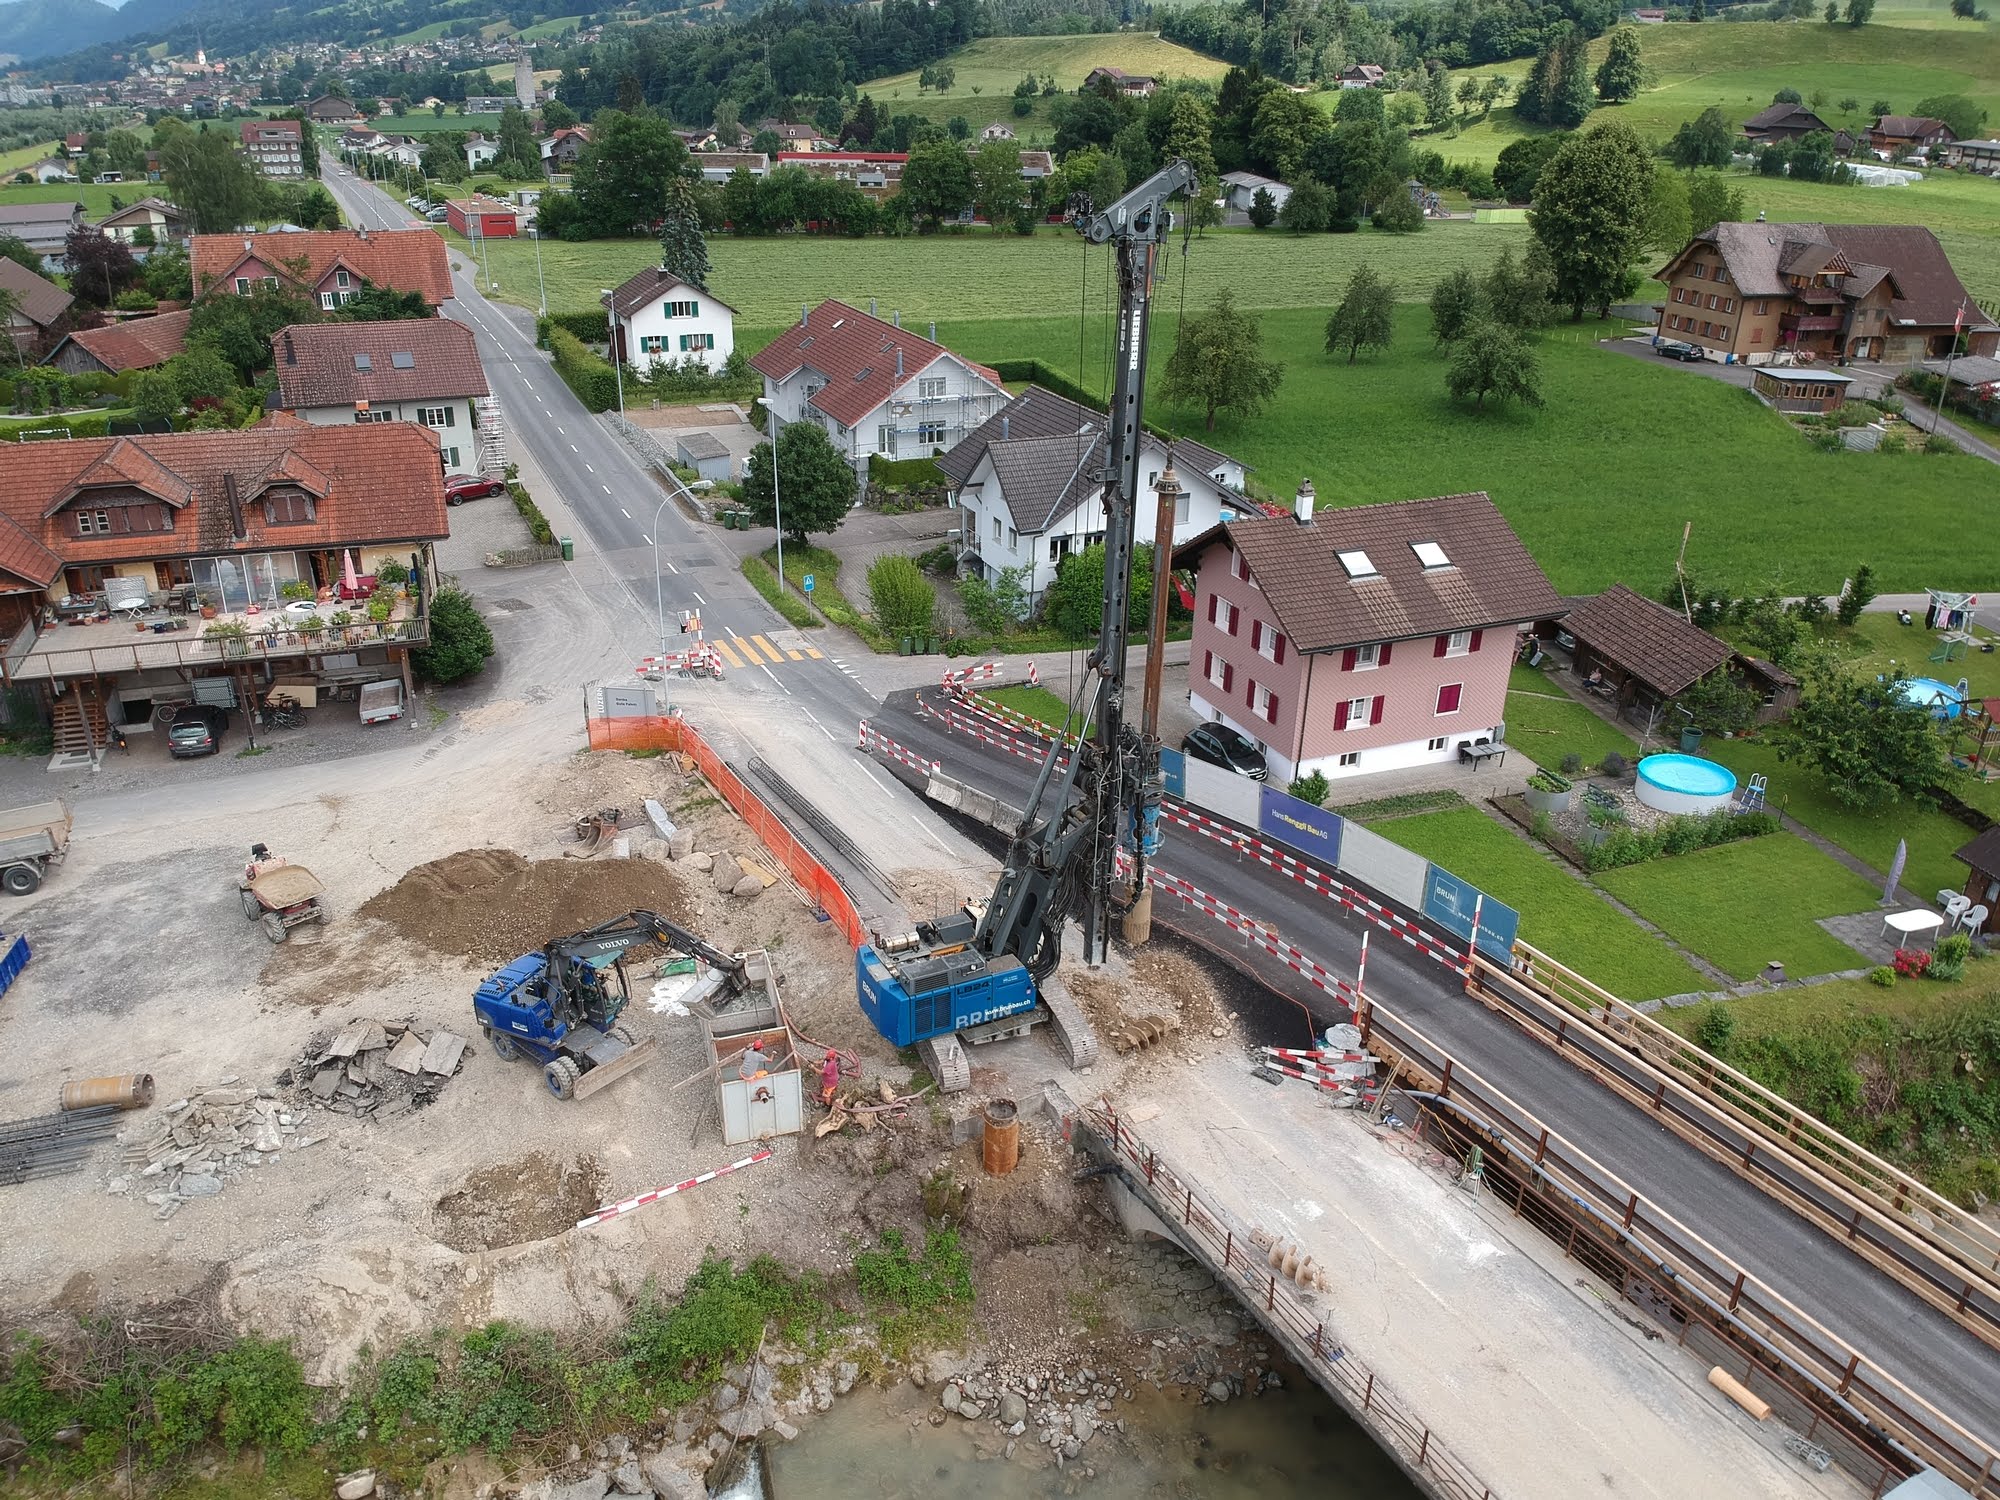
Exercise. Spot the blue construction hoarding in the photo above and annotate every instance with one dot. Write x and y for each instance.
(1173, 772)
(1449, 902)
(1313, 831)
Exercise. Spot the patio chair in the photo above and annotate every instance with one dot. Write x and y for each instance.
(1974, 921)
(1955, 904)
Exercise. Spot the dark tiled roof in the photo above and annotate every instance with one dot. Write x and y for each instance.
(1043, 477)
(1982, 853)
(315, 362)
(1928, 291)
(1491, 579)
(39, 300)
(1039, 413)
(27, 219)
(1785, 116)
(857, 354)
(403, 260)
(1911, 126)
(643, 288)
(137, 343)
(1646, 639)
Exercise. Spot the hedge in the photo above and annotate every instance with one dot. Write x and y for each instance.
(593, 380)
(538, 524)
(590, 327)
(903, 472)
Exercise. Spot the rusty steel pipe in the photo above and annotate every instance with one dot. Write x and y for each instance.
(126, 1090)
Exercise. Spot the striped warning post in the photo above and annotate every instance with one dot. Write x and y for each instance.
(629, 1205)
(1319, 1057)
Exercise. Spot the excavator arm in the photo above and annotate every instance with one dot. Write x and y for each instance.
(568, 957)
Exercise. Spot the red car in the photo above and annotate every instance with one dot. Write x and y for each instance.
(463, 487)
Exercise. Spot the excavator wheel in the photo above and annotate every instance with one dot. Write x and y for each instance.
(561, 1076)
(624, 1034)
(503, 1045)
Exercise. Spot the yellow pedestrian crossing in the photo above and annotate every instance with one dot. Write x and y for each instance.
(739, 652)
(766, 647)
(727, 652)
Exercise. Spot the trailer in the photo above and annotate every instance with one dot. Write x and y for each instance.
(31, 839)
(381, 701)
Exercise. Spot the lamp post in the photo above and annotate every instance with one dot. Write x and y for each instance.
(777, 513)
(659, 588)
(541, 286)
(611, 333)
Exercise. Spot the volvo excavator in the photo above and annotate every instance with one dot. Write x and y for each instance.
(988, 970)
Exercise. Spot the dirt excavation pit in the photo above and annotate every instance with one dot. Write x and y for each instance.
(491, 905)
(515, 1202)
(1164, 996)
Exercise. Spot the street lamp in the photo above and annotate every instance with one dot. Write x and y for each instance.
(611, 333)
(659, 588)
(541, 286)
(777, 514)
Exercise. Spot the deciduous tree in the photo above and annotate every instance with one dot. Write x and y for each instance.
(213, 185)
(1872, 747)
(903, 599)
(997, 189)
(1456, 304)
(99, 266)
(1590, 214)
(1705, 141)
(1218, 363)
(620, 184)
(815, 484)
(1965, 118)
(1365, 318)
(1622, 72)
(937, 182)
(1493, 360)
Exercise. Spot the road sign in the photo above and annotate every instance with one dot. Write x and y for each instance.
(808, 584)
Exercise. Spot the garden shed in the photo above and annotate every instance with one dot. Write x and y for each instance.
(704, 453)
(1645, 651)
(1982, 857)
(1801, 390)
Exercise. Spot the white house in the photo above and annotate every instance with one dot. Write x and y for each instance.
(999, 130)
(660, 317)
(1023, 481)
(479, 150)
(876, 387)
(1239, 190)
(53, 169)
(423, 370)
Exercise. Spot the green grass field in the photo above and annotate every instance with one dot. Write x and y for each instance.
(1706, 901)
(25, 156)
(993, 65)
(94, 196)
(1545, 723)
(1560, 915)
(543, 30)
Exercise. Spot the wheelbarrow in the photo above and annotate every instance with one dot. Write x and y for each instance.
(281, 898)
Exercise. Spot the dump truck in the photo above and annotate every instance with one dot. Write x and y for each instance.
(31, 839)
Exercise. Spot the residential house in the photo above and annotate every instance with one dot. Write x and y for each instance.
(1025, 481)
(423, 370)
(53, 169)
(481, 217)
(224, 518)
(1362, 639)
(1239, 190)
(360, 139)
(1645, 651)
(875, 387)
(36, 308)
(479, 150)
(163, 223)
(276, 148)
(76, 145)
(1894, 133)
(1360, 76)
(1650, 17)
(999, 130)
(1974, 156)
(43, 227)
(1744, 292)
(1036, 165)
(331, 109)
(1973, 378)
(1783, 122)
(330, 265)
(659, 317)
(561, 150)
(794, 137)
(403, 150)
(720, 166)
(1137, 85)
(486, 104)
(133, 344)
(876, 173)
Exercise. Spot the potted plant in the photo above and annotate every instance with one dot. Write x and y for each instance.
(232, 635)
(296, 590)
(312, 627)
(1548, 792)
(207, 601)
(342, 621)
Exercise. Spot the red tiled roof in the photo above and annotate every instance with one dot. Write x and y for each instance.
(25, 558)
(1645, 639)
(382, 483)
(36, 298)
(137, 343)
(857, 354)
(316, 362)
(403, 260)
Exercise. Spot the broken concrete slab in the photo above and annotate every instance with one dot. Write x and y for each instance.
(407, 1056)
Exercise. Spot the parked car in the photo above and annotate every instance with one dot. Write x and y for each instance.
(463, 487)
(1675, 349)
(1220, 745)
(436, 216)
(196, 730)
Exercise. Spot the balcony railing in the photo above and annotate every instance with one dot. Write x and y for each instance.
(1810, 323)
(36, 655)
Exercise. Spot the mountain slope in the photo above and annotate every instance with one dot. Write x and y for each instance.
(39, 28)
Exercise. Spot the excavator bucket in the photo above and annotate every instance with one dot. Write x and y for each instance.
(605, 1074)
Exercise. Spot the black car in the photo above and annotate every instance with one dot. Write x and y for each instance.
(196, 730)
(1675, 349)
(1220, 745)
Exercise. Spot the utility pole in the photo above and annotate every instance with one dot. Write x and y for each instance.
(1166, 501)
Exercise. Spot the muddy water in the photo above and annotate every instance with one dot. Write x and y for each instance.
(1284, 1443)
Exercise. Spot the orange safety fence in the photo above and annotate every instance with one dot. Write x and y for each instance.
(656, 733)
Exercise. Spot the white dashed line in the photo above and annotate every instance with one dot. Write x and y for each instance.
(774, 677)
(587, 467)
(646, 539)
(622, 510)
(527, 382)
(701, 601)
(874, 778)
(559, 431)
(670, 562)
(607, 490)
(572, 448)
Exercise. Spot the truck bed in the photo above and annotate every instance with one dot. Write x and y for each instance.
(50, 820)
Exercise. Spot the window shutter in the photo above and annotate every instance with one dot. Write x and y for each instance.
(1475, 640)
(1214, 603)
(1250, 692)
(1271, 708)
(1347, 660)
(1439, 644)
(1383, 659)
(1340, 714)
(1207, 664)
(1256, 635)
(1278, 647)
(1228, 676)
(1375, 712)
(1235, 618)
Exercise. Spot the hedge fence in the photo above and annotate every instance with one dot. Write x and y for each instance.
(593, 380)
(901, 473)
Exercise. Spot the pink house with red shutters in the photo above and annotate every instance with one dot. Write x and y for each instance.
(1365, 639)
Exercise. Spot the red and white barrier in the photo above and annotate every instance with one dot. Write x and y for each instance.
(881, 744)
(984, 671)
(1331, 1085)
(630, 1205)
(1256, 934)
(699, 660)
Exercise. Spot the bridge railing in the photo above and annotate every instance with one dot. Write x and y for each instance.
(1386, 1414)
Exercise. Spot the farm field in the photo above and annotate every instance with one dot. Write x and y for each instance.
(94, 196)
(1560, 914)
(25, 156)
(993, 65)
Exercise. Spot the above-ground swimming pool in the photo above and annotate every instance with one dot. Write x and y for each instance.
(1941, 698)
(1684, 784)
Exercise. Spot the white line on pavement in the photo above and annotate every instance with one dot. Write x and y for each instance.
(697, 597)
(572, 447)
(646, 539)
(559, 430)
(670, 562)
(607, 490)
(874, 778)
(774, 677)
(587, 467)
(622, 510)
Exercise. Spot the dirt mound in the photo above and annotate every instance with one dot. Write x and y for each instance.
(492, 905)
(515, 1202)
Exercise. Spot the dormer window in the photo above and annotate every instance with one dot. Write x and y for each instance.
(288, 508)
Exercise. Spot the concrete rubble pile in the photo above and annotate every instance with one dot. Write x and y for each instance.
(207, 1140)
(375, 1069)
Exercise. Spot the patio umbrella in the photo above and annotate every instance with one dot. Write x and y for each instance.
(1895, 871)
(349, 580)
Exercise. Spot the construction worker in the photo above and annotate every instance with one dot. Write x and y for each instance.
(829, 1078)
(753, 1063)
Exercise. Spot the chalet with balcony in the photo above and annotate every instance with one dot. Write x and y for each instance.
(1908, 133)
(37, 309)
(1783, 122)
(1364, 639)
(331, 109)
(329, 265)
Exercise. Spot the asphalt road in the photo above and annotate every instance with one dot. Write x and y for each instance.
(1900, 1332)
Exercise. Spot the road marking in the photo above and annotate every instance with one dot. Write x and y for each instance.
(794, 655)
(623, 511)
(572, 448)
(749, 651)
(767, 648)
(813, 717)
(646, 539)
(527, 382)
(727, 653)
(559, 429)
(814, 653)
(774, 677)
(873, 777)
(670, 562)
(607, 490)
(587, 467)
(698, 599)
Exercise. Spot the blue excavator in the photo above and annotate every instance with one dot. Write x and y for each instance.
(557, 1006)
(988, 971)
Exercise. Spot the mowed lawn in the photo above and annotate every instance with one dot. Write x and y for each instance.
(985, 72)
(1544, 723)
(95, 197)
(1745, 904)
(1560, 915)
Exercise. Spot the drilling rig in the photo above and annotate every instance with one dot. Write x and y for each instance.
(988, 970)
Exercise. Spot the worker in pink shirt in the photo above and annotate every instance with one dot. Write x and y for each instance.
(829, 1078)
